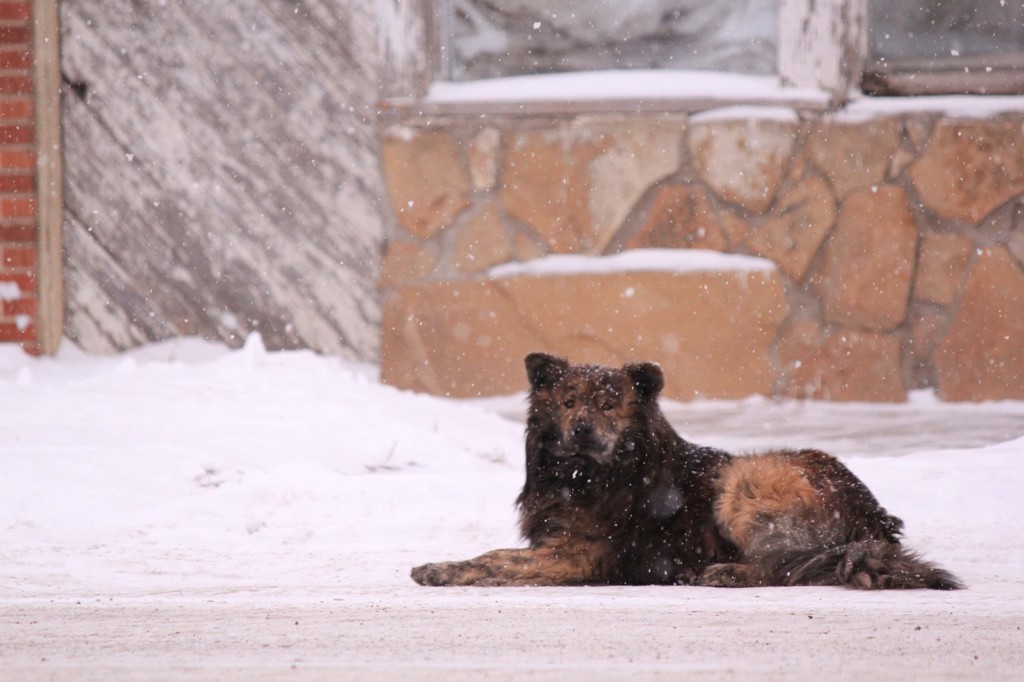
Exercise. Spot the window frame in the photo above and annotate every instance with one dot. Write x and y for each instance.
(993, 74)
(952, 76)
(822, 46)
(414, 47)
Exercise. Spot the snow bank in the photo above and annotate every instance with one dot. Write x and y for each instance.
(186, 467)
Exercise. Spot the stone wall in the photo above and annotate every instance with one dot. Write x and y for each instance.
(899, 240)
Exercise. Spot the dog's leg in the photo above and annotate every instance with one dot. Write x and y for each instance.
(510, 567)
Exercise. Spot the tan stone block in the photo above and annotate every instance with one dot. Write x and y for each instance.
(638, 153)
(797, 350)
(680, 216)
(426, 180)
(483, 159)
(942, 262)
(847, 365)
(919, 129)
(481, 241)
(854, 156)
(575, 185)
(926, 330)
(712, 332)
(797, 168)
(796, 227)
(970, 168)
(544, 183)
(1016, 244)
(406, 261)
(925, 334)
(865, 271)
(735, 228)
(526, 248)
(743, 161)
(901, 160)
(982, 355)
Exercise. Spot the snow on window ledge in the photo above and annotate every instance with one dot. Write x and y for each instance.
(651, 90)
(954, 106)
(630, 85)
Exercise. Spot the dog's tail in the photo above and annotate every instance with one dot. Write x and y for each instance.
(863, 565)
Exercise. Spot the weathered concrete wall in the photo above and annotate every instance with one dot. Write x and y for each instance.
(900, 239)
(222, 173)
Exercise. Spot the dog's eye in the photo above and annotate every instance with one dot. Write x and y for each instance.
(607, 405)
(570, 403)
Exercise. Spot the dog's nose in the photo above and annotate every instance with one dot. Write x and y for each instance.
(581, 429)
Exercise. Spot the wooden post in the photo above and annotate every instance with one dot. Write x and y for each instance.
(823, 44)
(49, 323)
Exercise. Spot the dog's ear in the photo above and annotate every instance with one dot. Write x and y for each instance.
(544, 370)
(647, 377)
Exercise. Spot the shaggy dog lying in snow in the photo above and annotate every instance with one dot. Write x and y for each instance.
(613, 495)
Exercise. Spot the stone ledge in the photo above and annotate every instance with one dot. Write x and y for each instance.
(711, 331)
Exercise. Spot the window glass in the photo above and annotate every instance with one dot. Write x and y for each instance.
(935, 32)
(490, 38)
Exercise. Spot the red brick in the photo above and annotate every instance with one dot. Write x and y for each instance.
(13, 232)
(17, 134)
(15, 85)
(15, 59)
(17, 109)
(17, 184)
(20, 306)
(15, 35)
(26, 281)
(18, 208)
(18, 257)
(21, 159)
(15, 11)
(9, 332)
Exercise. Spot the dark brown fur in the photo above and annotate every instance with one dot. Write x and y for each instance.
(613, 495)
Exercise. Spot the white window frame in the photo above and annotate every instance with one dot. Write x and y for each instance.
(822, 47)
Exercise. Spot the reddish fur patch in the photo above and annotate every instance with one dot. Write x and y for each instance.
(753, 490)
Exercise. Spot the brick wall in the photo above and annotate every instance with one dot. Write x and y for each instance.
(18, 190)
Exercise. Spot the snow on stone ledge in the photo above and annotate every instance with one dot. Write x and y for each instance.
(636, 260)
(747, 113)
(624, 84)
(955, 106)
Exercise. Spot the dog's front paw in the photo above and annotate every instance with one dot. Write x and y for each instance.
(687, 576)
(723, 575)
(441, 573)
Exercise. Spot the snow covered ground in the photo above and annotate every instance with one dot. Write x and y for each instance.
(185, 512)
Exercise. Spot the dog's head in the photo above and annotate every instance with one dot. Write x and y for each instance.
(590, 407)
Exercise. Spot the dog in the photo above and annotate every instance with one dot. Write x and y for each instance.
(614, 496)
